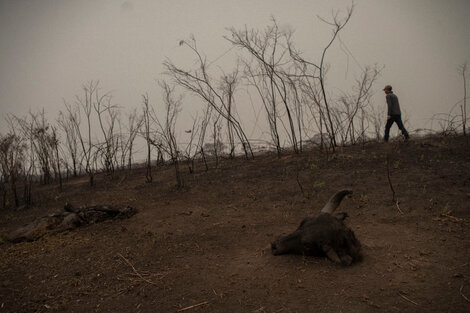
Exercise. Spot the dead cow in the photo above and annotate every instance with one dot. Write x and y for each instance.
(323, 235)
(68, 219)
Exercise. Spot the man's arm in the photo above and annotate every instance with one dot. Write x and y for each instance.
(389, 105)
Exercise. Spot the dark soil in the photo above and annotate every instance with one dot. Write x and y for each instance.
(205, 248)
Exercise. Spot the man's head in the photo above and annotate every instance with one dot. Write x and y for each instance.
(388, 89)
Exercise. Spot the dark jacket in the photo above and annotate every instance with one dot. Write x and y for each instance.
(393, 104)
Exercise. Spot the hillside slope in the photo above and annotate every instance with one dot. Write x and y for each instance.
(206, 248)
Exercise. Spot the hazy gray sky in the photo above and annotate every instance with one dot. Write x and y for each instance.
(49, 48)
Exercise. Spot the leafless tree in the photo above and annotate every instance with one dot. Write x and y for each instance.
(12, 149)
(270, 106)
(165, 135)
(107, 114)
(354, 107)
(318, 70)
(191, 150)
(37, 130)
(449, 123)
(128, 136)
(215, 148)
(54, 144)
(310, 94)
(146, 135)
(3, 188)
(85, 104)
(270, 78)
(228, 85)
(67, 125)
(200, 83)
(204, 122)
(376, 118)
(297, 106)
(20, 128)
(41, 134)
(463, 107)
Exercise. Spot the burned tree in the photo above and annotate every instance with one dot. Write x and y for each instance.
(38, 131)
(126, 139)
(146, 135)
(228, 86)
(12, 150)
(28, 170)
(161, 134)
(166, 131)
(202, 133)
(66, 124)
(107, 116)
(85, 103)
(216, 147)
(200, 83)
(463, 107)
(269, 75)
(54, 143)
(191, 150)
(317, 71)
(323, 235)
(352, 115)
(258, 82)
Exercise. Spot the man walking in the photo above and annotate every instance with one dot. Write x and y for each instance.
(393, 113)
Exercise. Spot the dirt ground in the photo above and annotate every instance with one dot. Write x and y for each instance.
(206, 248)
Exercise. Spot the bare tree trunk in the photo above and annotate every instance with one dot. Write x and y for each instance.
(463, 107)
(146, 118)
(216, 140)
(4, 193)
(202, 133)
(189, 155)
(15, 191)
(203, 154)
(27, 191)
(229, 83)
(176, 163)
(55, 142)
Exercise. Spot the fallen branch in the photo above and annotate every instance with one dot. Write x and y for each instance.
(463, 296)
(192, 306)
(398, 207)
(411, 301)
(300, 186)
(388, 176)
(453, 218)
(394, 199)
(135, 271)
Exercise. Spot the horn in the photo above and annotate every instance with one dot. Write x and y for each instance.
(335, 201)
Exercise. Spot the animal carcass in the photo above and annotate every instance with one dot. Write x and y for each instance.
(323, 235)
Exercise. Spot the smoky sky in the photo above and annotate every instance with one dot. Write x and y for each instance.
(49, 48)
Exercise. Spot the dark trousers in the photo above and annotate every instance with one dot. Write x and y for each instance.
(390, 121)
